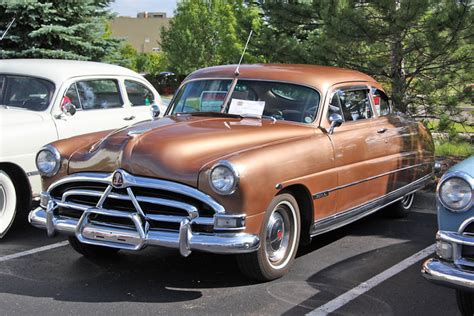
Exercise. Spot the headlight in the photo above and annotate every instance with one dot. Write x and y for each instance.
(48, 161)
(224, 178)
(455, 193)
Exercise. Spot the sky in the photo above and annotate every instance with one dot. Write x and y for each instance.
(131, 7)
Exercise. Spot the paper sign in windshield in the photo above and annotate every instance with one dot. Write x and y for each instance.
(211, 101)
(246, 107)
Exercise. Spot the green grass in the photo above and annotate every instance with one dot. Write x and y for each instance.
(459, 128)
(462, 149)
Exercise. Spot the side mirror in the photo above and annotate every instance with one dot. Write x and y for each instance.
(336, 121)
(69, 109)
(155, 111)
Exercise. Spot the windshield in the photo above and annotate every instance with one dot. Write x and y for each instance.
(282, 101)
(25, 92)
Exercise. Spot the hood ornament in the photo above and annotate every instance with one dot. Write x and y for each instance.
(117, 179)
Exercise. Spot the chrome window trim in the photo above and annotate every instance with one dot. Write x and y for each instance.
(130, 180)
(456, 174)
(234, 83)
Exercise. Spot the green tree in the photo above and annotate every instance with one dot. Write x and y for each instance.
(205, 33)
(421, 50)
(56, 29)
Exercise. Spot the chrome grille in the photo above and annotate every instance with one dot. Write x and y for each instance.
(467, 252)
(160, 208)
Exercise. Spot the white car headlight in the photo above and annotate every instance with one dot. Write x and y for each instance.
(48, 161)
(455, 193)
(224, 178)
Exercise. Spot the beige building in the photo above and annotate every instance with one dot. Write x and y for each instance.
(142, 32)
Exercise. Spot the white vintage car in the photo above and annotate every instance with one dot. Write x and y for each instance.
(44, 100)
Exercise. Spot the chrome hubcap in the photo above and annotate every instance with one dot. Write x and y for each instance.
(278, 235)
(3, 200)
(407, 201)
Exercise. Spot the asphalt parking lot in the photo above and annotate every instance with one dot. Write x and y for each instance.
(347, 271)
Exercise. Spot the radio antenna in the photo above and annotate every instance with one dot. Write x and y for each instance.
(6, 31)
(243, 53)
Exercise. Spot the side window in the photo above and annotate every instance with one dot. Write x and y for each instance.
(352, 104)
(99, 94)
(2, 84)
(72, 96)
(381, 103)
(138, 94)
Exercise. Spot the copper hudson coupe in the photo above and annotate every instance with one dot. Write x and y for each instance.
(250, 162)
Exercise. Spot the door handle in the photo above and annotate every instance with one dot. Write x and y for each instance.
(129, 118)
(382, 130)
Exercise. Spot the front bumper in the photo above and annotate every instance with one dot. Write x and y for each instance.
(452, 269)
(118, 237)
(446, 274)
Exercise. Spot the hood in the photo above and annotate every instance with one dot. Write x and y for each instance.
(14, 116)
(177, 147)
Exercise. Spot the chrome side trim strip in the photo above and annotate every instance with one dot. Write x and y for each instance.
(348, 216)
(326, 192)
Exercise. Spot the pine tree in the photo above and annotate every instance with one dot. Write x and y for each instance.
(56, 29)
(421, 50)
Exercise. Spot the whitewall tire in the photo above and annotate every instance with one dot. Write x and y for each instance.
(8, 203)
(279, 238)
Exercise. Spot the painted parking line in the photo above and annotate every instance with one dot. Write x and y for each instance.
(350, 295)
(33, 251)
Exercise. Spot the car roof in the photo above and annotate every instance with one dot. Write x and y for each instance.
(319, 77)
(59, 70)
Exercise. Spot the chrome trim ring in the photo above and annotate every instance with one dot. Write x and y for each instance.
(57, 156)
(233, 169)
(280, 237)
(456, 174)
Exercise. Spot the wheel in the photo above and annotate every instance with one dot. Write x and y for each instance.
(8, 203)
(401, 208)
(465, 302)
(91, 251)
(279, 239)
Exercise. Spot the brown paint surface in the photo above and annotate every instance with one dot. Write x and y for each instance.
(266, 153)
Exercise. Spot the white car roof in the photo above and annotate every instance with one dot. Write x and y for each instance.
(58, 70)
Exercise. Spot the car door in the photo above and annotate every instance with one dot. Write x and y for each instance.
(99, 105)
(404, 150)
(359, 146)
(140, 97)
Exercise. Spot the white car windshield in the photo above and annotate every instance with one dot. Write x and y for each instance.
(25, 92)
(279, 100)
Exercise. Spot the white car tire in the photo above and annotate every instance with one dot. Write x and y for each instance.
(8, 203)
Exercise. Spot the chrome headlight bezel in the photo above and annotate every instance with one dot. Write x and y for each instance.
(460, 176)
(232, 170)
(57, 160)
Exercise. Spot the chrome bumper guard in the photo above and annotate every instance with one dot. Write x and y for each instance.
(446, 274)
(110, 235)
(453, 271)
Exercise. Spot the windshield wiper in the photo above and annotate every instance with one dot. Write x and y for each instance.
(255, 116)
(213, 114)
(224, 114)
